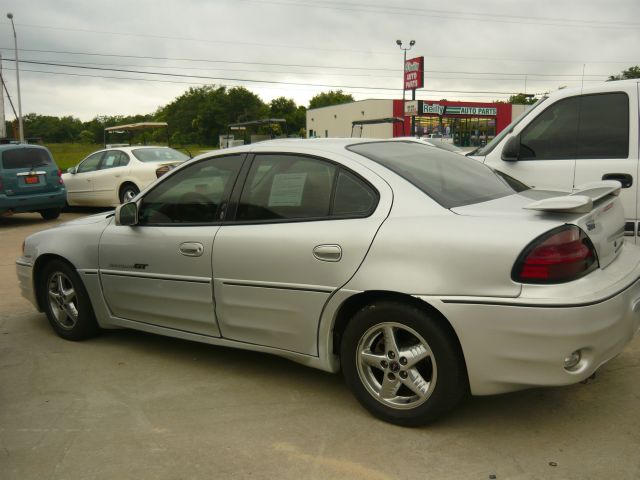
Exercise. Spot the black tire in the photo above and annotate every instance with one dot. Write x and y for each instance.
(60, 310)
(127, 192)
(442, 369)
(50, 213)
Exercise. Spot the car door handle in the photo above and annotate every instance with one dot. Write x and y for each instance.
(191, 249)
(328, 253)
(624, 178)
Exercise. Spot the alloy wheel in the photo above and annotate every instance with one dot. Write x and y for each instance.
(63, 301)
(396, 365)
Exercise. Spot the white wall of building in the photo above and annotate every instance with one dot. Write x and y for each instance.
(335, 121)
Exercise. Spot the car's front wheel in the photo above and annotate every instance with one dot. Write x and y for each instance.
(401, 364)
(66, 302)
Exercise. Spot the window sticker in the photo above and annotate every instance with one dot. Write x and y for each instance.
(287, 189)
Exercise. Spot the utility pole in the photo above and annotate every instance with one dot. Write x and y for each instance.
(15, 44)
(3, 125)
(404, 66)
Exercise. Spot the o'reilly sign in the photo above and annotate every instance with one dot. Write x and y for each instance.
(433, 108)
(437, 109)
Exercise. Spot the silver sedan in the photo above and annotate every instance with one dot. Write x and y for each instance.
(422, 275)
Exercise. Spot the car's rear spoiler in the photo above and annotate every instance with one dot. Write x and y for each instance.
(580, 201)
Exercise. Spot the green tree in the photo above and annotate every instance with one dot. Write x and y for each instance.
(286, 108)
(331, 97)
(631, 72)
(522, 99)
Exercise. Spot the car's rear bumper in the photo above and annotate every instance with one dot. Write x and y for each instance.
(511, 344)
(33, 202)
(24, 270)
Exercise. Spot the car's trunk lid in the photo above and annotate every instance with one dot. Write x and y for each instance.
(594, 208)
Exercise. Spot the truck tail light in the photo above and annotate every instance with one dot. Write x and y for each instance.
(60, 180)
(560, 255)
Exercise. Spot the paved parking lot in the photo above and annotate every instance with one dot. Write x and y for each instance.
(132, 405)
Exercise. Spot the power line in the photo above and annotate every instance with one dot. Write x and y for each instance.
(478, 14)
(369, 75)
(294, 65)
(206, 77)
(353, 90)
(455, 16)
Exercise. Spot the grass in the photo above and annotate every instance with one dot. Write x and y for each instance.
(68, 155)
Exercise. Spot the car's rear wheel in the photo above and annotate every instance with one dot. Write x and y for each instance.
(66, 302)
(127, 192)
(50, 213)
(401, 364)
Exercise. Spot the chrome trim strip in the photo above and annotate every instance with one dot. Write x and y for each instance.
(278, 286)
(88, 271)
(27, 174)
(24, 264)
(542, 305)
(155, 276)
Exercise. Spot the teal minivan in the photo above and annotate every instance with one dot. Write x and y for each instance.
(30, 181)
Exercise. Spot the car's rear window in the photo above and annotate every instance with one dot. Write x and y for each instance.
(450, 179)
(159, 155)
(25, 158)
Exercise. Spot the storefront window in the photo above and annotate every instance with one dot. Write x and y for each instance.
(464, 131)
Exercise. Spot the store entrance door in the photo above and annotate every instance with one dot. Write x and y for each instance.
(472, 131)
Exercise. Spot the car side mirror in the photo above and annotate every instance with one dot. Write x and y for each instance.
(511, 150)
(127, 214)
(72, 170)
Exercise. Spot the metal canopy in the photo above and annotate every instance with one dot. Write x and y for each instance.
(378, 120)
(374, 121)
(253, 123)
(131, 128)
(136, 126)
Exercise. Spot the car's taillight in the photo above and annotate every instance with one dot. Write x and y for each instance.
(60, 181)
(560, 255)
(162, 170)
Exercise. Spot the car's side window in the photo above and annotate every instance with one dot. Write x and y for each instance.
(581, 127)
(603, 126)
(553, 134)
(124, 159)
(90, 163)
(113, 159)
(286, 186)
(194, 194)
(353, 196)
(295, 187)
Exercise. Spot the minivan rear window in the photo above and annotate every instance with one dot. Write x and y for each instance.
(450, 179)
(25, 158)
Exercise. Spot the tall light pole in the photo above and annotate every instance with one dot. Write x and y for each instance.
(15, 43)
(404, 66)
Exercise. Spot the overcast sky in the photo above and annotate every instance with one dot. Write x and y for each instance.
(476, 51)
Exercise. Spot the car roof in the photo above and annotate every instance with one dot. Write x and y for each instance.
(329, 144)
(13, 146)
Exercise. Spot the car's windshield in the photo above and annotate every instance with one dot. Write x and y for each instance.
(488, 148)
(451, 180)
(161, 154)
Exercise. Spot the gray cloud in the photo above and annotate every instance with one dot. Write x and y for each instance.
(488, 40)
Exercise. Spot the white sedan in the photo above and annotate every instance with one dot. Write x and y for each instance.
(113, 176)
(421, 274)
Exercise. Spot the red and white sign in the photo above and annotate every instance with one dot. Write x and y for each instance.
(414, 73)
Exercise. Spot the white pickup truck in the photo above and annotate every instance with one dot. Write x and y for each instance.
(572, 137)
